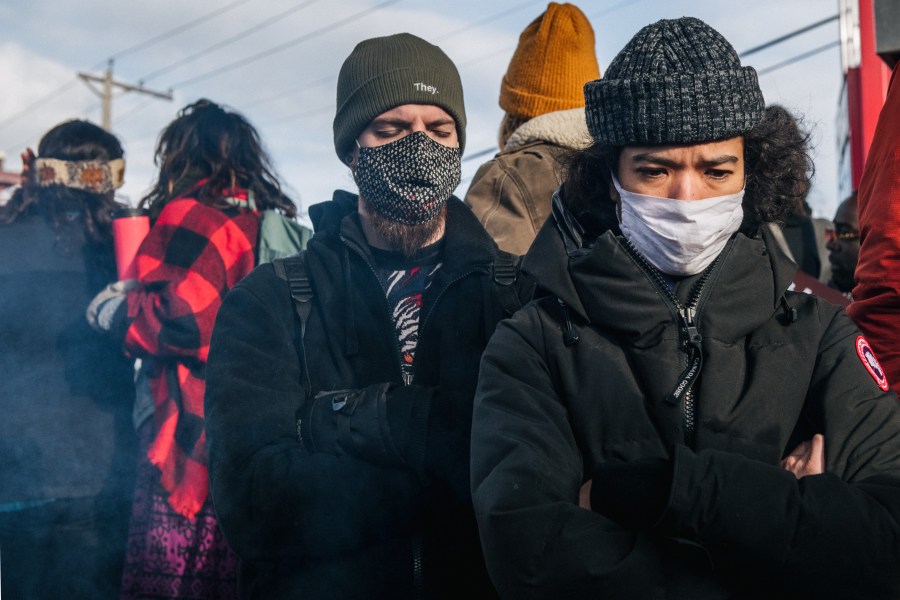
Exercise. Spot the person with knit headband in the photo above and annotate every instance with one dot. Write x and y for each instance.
(340, 382)
(543, 101)
(67, 446)
(669, 419)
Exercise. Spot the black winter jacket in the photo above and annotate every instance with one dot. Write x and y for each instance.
(66, 393)
(362, 518)
(688, 499)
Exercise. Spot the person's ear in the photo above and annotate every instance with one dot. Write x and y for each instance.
(351, 157)
(614, 193)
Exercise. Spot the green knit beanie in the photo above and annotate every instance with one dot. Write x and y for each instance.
(385, 72)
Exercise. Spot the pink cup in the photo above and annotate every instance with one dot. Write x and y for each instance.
(130, 227)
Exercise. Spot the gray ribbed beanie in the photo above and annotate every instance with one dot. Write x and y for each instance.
(385, 72)
(676, 81)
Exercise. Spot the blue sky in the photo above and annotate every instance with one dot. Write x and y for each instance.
(277, 62)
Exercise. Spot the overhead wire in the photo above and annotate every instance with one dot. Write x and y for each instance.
(230, 40)
(303, 115)
(280, 47)
(507, 49)
(130, 50)
(37, 103)
(493, 17)
(799, 57)
(329, 79)
(288, 92)
(176, 30)
(788, 36)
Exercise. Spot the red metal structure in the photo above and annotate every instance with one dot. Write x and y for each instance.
(866, 58)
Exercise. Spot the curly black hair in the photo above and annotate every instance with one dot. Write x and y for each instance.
(208, 142)
(778, 170)
(74, 140)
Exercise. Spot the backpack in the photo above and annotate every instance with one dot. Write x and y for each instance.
(505, 271)
(279, 236)
(292, 269)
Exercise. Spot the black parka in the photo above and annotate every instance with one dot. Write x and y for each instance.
(566, 392)
(351, 525)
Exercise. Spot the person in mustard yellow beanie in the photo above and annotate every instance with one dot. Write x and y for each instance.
(543, 99)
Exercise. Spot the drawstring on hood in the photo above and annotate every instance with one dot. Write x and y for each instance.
(790, 313)
(570, 336)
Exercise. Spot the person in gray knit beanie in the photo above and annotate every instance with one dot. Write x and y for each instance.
(676, 82)
(669, 418)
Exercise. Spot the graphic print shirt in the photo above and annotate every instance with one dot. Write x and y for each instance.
(405, 280)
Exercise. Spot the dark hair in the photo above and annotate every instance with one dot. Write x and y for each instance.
(207, 142)
(779, 168)
(508, 126)
(73, 141)
(777, 163)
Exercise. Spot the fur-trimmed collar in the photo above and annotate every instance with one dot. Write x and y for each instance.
(565, 128)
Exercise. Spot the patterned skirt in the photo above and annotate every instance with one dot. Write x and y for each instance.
(167, 555)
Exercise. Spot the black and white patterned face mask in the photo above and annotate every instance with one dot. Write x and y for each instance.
(408, 181)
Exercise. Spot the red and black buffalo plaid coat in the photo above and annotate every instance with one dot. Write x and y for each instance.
(192, 256)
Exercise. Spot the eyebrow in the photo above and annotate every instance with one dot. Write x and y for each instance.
(662, 160)
(401, 123)
(393, 122)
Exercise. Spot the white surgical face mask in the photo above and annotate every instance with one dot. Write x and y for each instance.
(679, 237)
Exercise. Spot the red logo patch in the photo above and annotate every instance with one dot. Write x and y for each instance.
(871, 363)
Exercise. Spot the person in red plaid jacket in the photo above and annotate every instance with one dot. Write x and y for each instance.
(214, 180)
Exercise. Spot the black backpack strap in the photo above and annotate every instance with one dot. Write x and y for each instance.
(506, 274)
(293, 270)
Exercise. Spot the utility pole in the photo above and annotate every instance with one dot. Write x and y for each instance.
(105, 92)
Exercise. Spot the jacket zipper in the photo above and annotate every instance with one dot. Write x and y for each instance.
(398, 354)
(691, 340)
(417, 567)
(418, 571)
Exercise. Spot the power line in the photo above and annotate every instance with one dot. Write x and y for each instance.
(612, 8)
(173, 32)
(238, 36)
(494, 17)
(37, 103)
(508, 49)
(788, 36)
(285, 45)
(479, 154)
(18, 146)
(306, 86)
(303, 115)
(800, 57)
(130, 50)
(134, 110)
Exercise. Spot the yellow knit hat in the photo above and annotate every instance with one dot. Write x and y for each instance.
(554, 59)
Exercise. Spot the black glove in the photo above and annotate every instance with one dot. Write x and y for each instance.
(383, 424)
(633, 494)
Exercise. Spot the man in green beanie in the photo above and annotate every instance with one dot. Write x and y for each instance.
(669, 419)
(340, 382)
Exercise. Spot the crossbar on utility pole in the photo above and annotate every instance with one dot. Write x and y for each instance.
(108, 84)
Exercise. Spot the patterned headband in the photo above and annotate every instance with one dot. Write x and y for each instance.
(96, 176)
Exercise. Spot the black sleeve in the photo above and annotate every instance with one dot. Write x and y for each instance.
(274, 499)
(837, 533)
(418, 428)
(526, 475)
